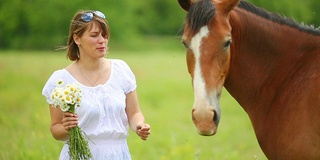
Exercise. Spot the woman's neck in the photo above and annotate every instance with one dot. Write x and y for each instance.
(91, 65)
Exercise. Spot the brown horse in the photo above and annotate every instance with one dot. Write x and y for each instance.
(269, 63)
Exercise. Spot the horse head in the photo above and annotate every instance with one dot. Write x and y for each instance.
(207, 38)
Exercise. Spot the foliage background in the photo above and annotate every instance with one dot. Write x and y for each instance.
(43, 24)
(146, 34)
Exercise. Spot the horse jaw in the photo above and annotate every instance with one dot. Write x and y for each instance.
(206, 108)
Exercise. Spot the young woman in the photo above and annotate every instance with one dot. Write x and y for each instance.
(109, 103)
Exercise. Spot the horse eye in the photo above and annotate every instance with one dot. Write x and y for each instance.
(228, 43)
(185, 44)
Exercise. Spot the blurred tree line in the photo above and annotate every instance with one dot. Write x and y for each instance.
(44, 24)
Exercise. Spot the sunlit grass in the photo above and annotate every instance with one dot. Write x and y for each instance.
(165, 96)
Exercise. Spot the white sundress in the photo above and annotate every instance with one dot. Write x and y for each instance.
(102, 113)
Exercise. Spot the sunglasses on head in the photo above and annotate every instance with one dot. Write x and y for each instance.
(87, 17)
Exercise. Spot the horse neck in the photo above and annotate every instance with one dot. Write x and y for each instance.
(262, 58)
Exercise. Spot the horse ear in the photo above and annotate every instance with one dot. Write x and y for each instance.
(228, 5)
(185, 4)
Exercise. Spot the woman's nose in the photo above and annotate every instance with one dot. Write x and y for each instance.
(102, 39)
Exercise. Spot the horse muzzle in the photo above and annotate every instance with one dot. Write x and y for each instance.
(206, 120)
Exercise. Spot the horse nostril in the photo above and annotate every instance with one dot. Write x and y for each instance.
(192, 114)
(216, 118)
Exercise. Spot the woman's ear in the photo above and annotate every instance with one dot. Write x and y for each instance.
(76, 39)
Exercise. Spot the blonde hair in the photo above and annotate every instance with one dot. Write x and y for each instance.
(78, 27)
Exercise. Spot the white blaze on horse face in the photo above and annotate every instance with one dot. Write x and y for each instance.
(198, 81)
(206, 104)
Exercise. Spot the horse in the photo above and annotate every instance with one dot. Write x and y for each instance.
(270, 65)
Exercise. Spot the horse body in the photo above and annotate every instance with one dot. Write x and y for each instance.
(275, 77)
(272, 69)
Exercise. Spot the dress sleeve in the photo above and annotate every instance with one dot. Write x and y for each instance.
(50, 85)
(128, 78)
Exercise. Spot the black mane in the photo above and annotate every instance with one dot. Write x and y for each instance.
(202, 12)
(277, 18)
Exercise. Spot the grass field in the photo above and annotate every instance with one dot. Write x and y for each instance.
(165, 96)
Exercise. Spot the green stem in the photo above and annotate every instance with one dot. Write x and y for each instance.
(78, 145)
(72, 108)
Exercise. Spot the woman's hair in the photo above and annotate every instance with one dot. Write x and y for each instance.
(79, 26)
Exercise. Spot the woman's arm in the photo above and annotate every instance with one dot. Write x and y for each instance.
(61, 123)
(135, 117)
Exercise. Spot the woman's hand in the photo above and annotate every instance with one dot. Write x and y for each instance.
(69, 120)
(143, 131)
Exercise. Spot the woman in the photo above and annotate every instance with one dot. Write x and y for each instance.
(109, 99)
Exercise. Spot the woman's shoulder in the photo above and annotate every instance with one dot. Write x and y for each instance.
(59, 73)
(122, 70)
(119, 64)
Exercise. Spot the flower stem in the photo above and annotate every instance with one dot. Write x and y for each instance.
(78, 145)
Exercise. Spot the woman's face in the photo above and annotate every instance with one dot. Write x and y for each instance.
(92, 43)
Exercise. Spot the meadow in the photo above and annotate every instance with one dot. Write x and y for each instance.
(165, 95)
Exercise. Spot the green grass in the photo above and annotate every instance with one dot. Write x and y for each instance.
(165, 96)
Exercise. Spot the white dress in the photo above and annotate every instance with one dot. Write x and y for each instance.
(102, 113)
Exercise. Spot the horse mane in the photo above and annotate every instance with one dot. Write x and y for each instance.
(200, 14)
(277, 18)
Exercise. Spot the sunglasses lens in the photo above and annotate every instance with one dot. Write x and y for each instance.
(87, 17)
(99, 14)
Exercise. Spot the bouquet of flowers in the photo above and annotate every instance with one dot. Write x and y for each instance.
(67, 98)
